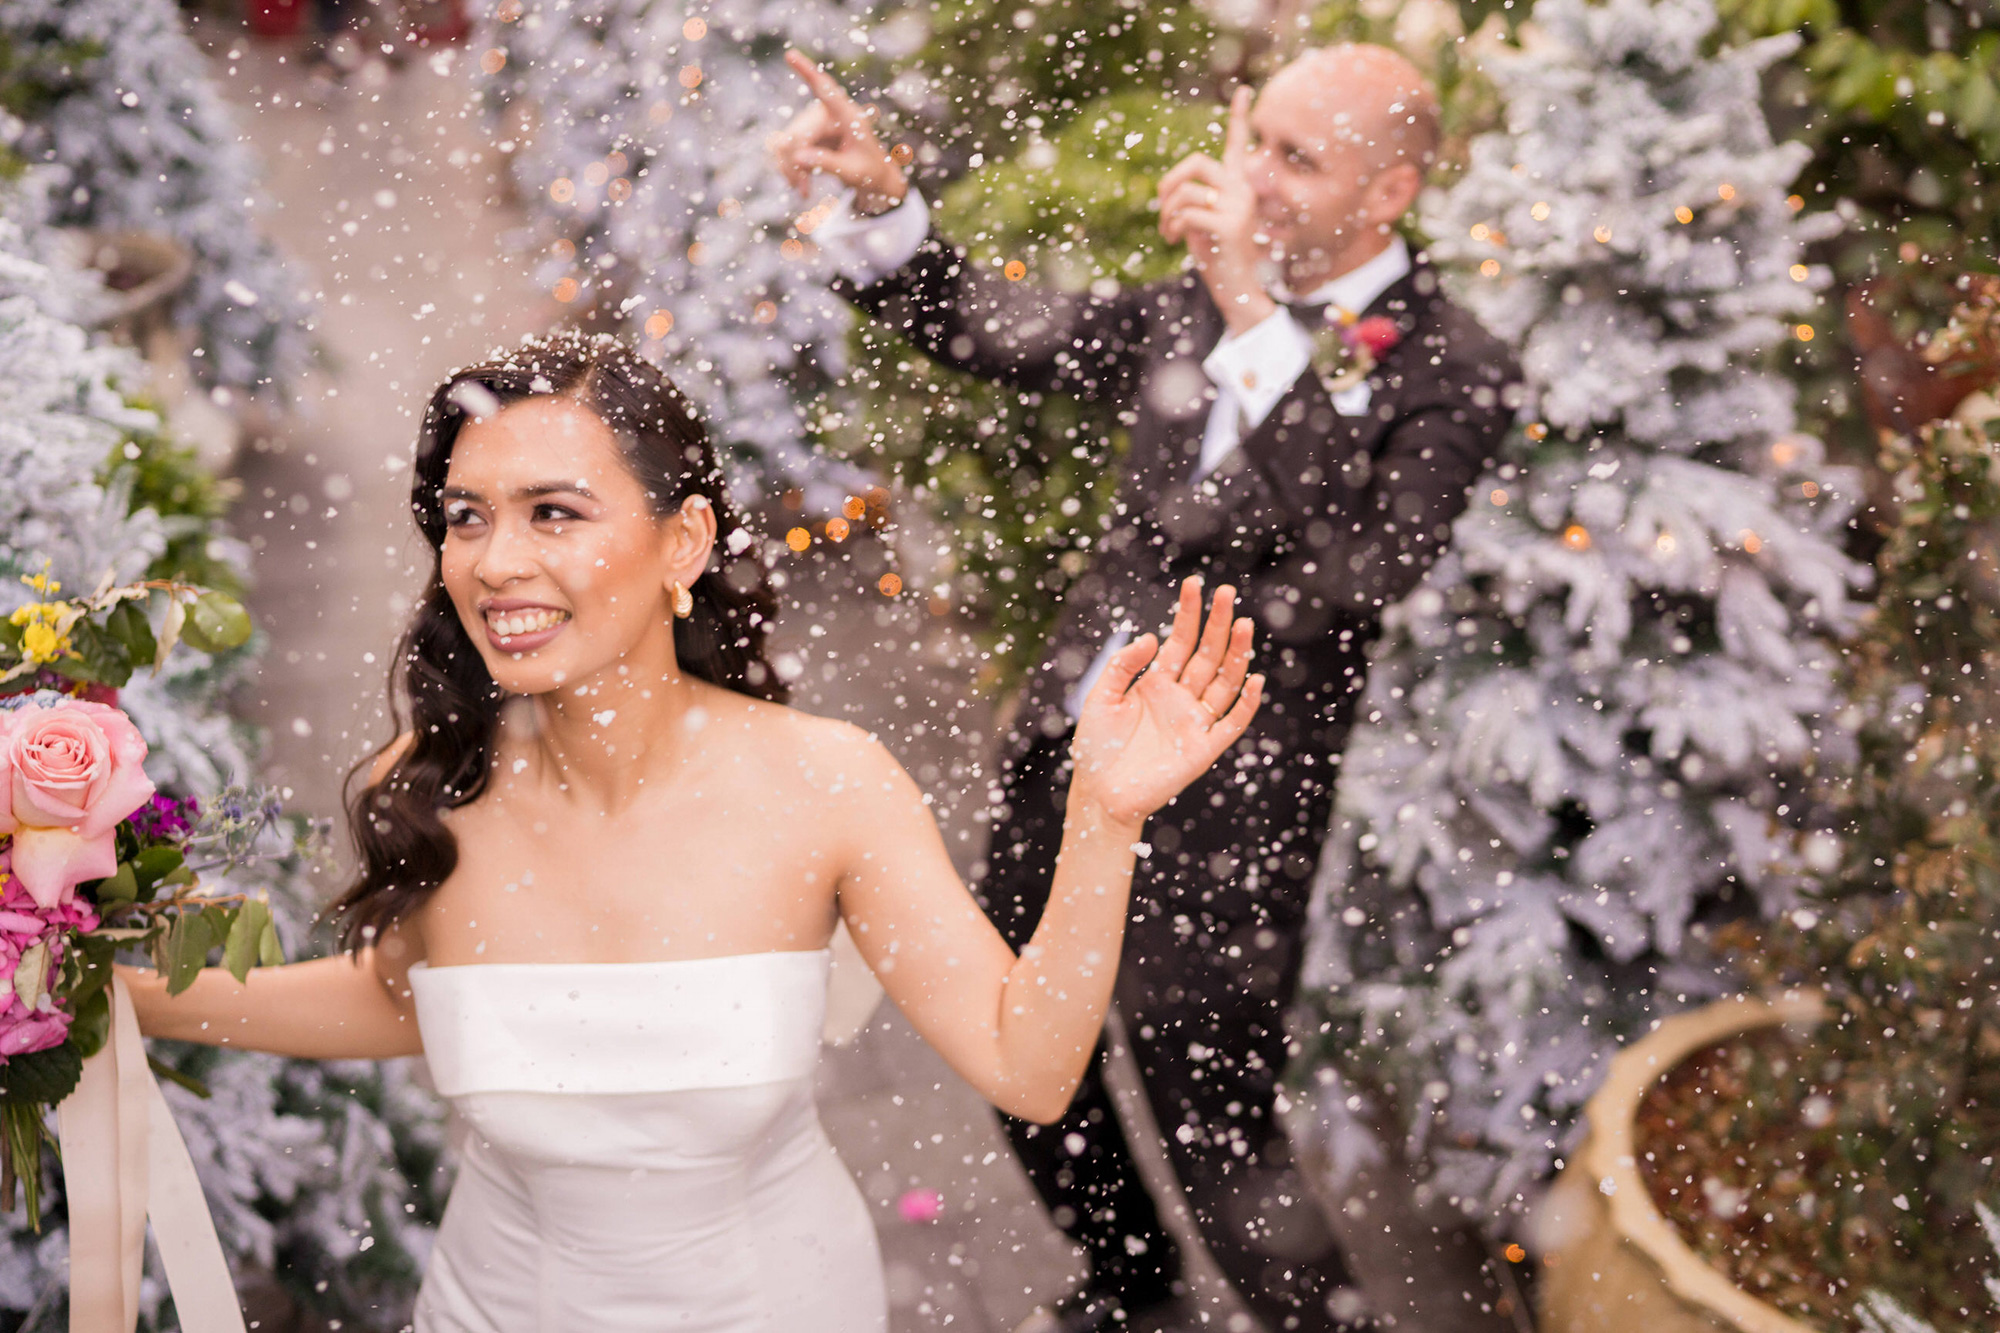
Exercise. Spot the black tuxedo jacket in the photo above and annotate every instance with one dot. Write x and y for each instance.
(1319, 519)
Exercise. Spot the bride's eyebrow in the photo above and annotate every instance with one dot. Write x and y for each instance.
(529, 492)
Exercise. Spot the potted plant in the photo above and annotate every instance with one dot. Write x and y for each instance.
(1827, 1161)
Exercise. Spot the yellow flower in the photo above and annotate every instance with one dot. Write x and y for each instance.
(41, 583)
(42, 644)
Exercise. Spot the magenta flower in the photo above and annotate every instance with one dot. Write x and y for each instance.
(33, 939)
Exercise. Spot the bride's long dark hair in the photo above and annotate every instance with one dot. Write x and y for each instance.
(405, 849)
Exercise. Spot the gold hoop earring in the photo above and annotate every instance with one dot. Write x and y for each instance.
(683, 603)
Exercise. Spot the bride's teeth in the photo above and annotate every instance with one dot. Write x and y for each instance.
(509, 627)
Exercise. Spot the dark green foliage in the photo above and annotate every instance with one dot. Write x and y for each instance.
(1025, 480)
(168, 479)
(1900, 103)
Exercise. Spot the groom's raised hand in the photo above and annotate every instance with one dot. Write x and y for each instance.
(836, 136)
(1211, 206)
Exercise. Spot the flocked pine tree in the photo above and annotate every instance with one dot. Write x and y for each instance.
(1580, 742)
(117, 100)
(296, 1158)
(637, 131)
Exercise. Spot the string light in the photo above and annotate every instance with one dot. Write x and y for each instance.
(1576, 537)
(837, 529)
(889, 585)
(1015, 270)
(1499, 497)
(1603, 235)
(659, 324)
(1683, 215)
(798, 539)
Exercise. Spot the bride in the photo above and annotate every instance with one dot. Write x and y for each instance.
(601, 866)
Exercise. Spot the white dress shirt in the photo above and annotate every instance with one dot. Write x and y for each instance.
(1252, 371)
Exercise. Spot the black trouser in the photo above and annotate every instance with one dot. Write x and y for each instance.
(1212, 954)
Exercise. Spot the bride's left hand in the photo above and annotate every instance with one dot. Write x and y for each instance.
(1162, 713)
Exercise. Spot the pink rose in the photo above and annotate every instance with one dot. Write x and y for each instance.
(69, 772)
(24, 1030)
(1378, 333)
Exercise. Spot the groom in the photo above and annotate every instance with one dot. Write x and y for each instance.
(1307, 411)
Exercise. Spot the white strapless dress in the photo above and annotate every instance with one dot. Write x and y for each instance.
(642, 1152)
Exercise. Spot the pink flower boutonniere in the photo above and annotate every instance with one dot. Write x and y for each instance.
(1346, 349)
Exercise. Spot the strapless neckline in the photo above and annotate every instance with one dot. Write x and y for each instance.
(820, 953)
(733, 1020)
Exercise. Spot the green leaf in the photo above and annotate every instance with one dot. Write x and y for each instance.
(127, 624)
(246, 933)
(44, 1077)
(189, 939)
(216, 622)
(91, 1026)
(121, 886)
(173, 1075)
(96, 655)
(270, 951)
(153, 865)
(87, 969)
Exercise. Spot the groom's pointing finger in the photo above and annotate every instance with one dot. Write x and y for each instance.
(823, 85)
(1236, 149)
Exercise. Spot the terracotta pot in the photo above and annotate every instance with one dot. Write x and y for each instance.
(1611, 1262)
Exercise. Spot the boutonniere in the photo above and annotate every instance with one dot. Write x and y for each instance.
(1346, 349)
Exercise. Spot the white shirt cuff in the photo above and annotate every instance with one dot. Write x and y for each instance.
(866, 250)
(1259, 365)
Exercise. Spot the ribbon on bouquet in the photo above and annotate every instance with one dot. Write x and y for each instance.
(124, 1160)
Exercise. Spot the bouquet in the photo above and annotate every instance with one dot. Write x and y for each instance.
(92, 858)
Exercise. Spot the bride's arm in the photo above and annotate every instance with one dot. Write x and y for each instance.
(1021, 1029)
(347, 1007)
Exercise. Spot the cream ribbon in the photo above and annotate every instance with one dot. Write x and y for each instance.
(123, 1160)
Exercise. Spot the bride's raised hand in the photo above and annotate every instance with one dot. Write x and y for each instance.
(1162, 713)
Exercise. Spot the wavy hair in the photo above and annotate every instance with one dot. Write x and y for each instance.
(453, 704)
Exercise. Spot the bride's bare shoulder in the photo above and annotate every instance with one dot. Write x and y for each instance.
(829, 754)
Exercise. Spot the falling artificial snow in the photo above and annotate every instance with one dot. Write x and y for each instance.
(1580, 742)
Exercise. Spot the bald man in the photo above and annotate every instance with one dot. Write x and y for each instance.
(1306, 412)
